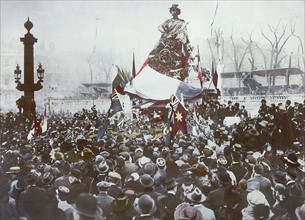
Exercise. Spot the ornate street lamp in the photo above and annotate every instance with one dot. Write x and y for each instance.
(17, 74)
(29, 86)
(40, 73)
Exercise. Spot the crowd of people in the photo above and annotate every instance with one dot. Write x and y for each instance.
(254, 169)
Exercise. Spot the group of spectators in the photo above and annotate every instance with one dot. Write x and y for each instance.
(251, 170)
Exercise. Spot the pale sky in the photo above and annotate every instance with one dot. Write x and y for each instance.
(127, 26)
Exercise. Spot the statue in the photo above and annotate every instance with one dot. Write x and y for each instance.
(171, 55)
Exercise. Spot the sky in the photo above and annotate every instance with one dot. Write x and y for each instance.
(124, 27)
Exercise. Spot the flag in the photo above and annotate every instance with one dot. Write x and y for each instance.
(214, 75)
(200, 78)
(115, 106)
(118, 83)
(198, 69)
(176, 120)
(112, 114)
(149, 84)
(44, 123)
(102, 130)
(133, 67)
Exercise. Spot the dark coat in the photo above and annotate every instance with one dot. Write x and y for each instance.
(167, 205)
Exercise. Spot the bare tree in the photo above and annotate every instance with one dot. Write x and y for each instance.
(219, 46)
(249, 44)
(301, 52)
(278, 41)
(238, 58)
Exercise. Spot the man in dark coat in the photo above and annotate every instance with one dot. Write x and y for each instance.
(237, 167)
(167, 203)
(33, 202)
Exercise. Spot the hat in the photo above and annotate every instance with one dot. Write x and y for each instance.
(170, 183)
(64, 168)
(292, 159)
(121, 199)
(145, 205)
(222, 160)
(196, 196)
(47, 178)
(86, 205)
(98, 159)
(103, 185)
(207, 152)
(146, 180)
(255, 198)
(32, 177)
(120, 162)
(161, 162)
(138, 149)
(236, 156)
(124, 154)
(282, 107)
(185, 211)
(256, 155)
(237, 146)
(114, 175)
(258, 168)
(103, 167)
(253, 132)
(263, 123)
(300, 212)
(149, 168)
(63, 191)
(199, 169)
(224, 178)
(143, 160)
(13, 170)
(279, 177)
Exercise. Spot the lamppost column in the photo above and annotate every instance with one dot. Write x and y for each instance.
(28, 40)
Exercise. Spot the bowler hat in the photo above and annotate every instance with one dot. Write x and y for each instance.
(86, 205)
(170, 183)
(280, 177)
(253, 132)
(149, 168)
(47, 178)
(146, 180)
(145, 205)
(292, 159)
(224, 178)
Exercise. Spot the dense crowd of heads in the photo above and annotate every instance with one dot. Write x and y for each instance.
(252, 169)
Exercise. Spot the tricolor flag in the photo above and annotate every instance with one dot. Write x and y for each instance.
(149, 84)
(214, 75)
(200, 77)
